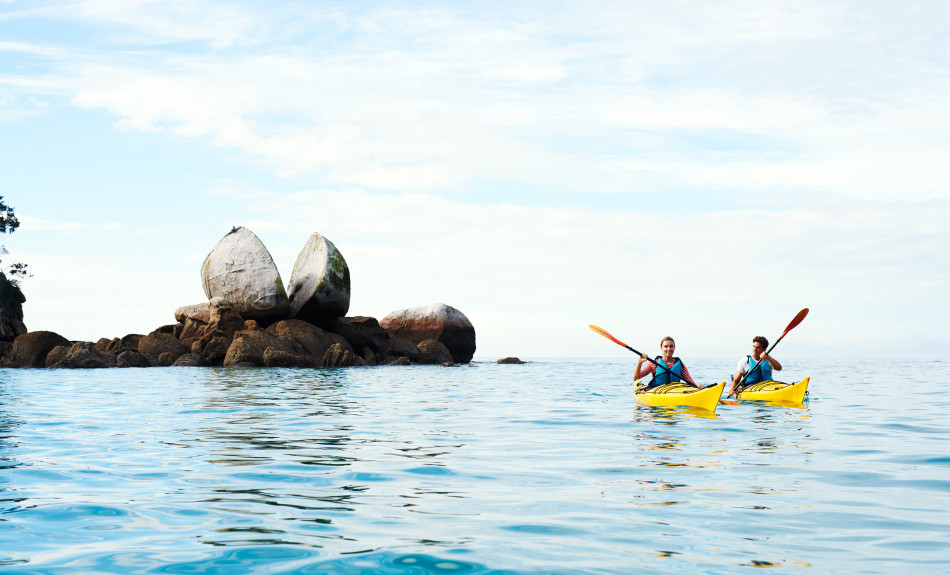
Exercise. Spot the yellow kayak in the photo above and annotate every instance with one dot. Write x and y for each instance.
(775, 391)
(679, 394)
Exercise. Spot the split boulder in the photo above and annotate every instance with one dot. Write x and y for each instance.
(242, 271)
(320, 283)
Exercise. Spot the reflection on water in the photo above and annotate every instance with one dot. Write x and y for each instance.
(544, 467)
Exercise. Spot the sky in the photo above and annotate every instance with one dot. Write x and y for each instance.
(655, 168)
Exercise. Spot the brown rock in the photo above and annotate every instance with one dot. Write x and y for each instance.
(117, 345)
(249, 347)
(188, 360)
(434, 352)
(132, 359)
(437, 321)
(306, 339)
(510, 360)
(30, 349)
(160, 342)
(80, 355)
(361, 332)
(402, 347)
(340, 356)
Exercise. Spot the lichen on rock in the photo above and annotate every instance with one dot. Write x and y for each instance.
(320, 282)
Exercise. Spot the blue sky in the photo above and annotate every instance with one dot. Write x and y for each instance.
(654, 168)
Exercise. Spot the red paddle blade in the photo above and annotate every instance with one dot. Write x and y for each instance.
(798, 319)
(604, 333)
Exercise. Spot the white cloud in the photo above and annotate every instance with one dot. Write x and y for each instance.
(389, 117)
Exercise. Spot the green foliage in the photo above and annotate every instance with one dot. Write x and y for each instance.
(9, 224)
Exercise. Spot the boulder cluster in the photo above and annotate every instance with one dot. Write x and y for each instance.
(250, 320)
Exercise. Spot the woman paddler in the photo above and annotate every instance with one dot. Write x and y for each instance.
(671, 369)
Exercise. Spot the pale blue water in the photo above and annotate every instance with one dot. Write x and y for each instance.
(548, 467)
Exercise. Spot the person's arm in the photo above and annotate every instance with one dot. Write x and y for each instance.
(688, 378)
(775, 364)
(641, 371)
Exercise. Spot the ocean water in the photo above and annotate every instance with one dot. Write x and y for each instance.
(547, 467)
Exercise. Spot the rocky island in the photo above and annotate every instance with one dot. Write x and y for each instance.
(251, 320)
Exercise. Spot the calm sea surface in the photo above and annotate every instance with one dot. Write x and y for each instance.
(548, 467)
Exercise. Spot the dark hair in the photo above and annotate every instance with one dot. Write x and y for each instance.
(666, 338)
(762, 340)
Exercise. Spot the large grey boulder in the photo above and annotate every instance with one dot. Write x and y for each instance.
(319, 288)
(437, 321)
(242, 271)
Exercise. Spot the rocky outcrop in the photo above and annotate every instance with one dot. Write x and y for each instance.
(132, 359)
(164, 346)
(242, 271)
(306, 339)
(116, 346)
(510, 360)
(211, 340)
(319, 288)
(340, 356)
(80, 355)
(402, 347)
(434, 352)
(251, 345)
(366, 336)
(200, 311)
(437, 321)
(31, 348)
(11, 310)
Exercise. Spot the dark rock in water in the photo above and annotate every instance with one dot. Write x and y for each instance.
(399, 361)
(31, 349)
(306, 338)
(132, 359)
(80, 355)
(11, 310)
(118, 345)
(188, 360)
(361, 332)
(161, 343)
(510, 360)
(56, 355)
(437, 321)
(242, 271)
(402, 347)
(319, 289)
(249, 347)
(434, 352)
(339, 356)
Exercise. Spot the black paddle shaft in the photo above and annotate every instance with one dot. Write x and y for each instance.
(748, 373)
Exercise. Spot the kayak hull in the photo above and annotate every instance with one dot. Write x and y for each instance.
(680, 395)
(775, 391)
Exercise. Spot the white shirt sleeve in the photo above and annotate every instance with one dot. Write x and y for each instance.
(743, 365)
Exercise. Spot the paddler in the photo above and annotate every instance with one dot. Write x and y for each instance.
(671, 368)
(764, 364)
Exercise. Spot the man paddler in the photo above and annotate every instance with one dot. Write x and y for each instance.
(760, 364)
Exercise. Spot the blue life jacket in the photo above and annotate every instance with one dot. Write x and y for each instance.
(762, 371)
(664, 374)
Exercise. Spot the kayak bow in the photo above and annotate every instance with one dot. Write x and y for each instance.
(679, 394)
(775, 391)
